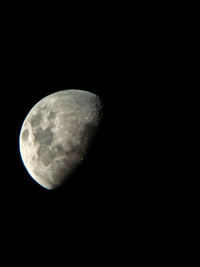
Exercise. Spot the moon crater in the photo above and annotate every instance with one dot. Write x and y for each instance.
(25, 135)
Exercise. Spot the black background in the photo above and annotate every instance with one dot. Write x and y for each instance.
(94, 201)
(118, 195)
(112, 191)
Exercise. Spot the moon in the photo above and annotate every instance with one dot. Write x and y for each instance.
(56, 134)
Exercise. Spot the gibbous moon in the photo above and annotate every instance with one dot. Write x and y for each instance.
(56, 134)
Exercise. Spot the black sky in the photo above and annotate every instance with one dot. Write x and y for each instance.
(101, 182)
(92, 186)
(119, 186)
(123, 202)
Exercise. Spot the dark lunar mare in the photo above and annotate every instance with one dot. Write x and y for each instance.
(44, 136)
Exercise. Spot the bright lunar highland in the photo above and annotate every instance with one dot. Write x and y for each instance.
(56, 134)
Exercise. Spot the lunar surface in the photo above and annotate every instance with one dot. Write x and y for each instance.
(56, 134)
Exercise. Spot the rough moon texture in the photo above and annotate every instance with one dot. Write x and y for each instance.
(56, 135)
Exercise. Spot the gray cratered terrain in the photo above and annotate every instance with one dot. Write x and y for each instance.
(56, 134)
